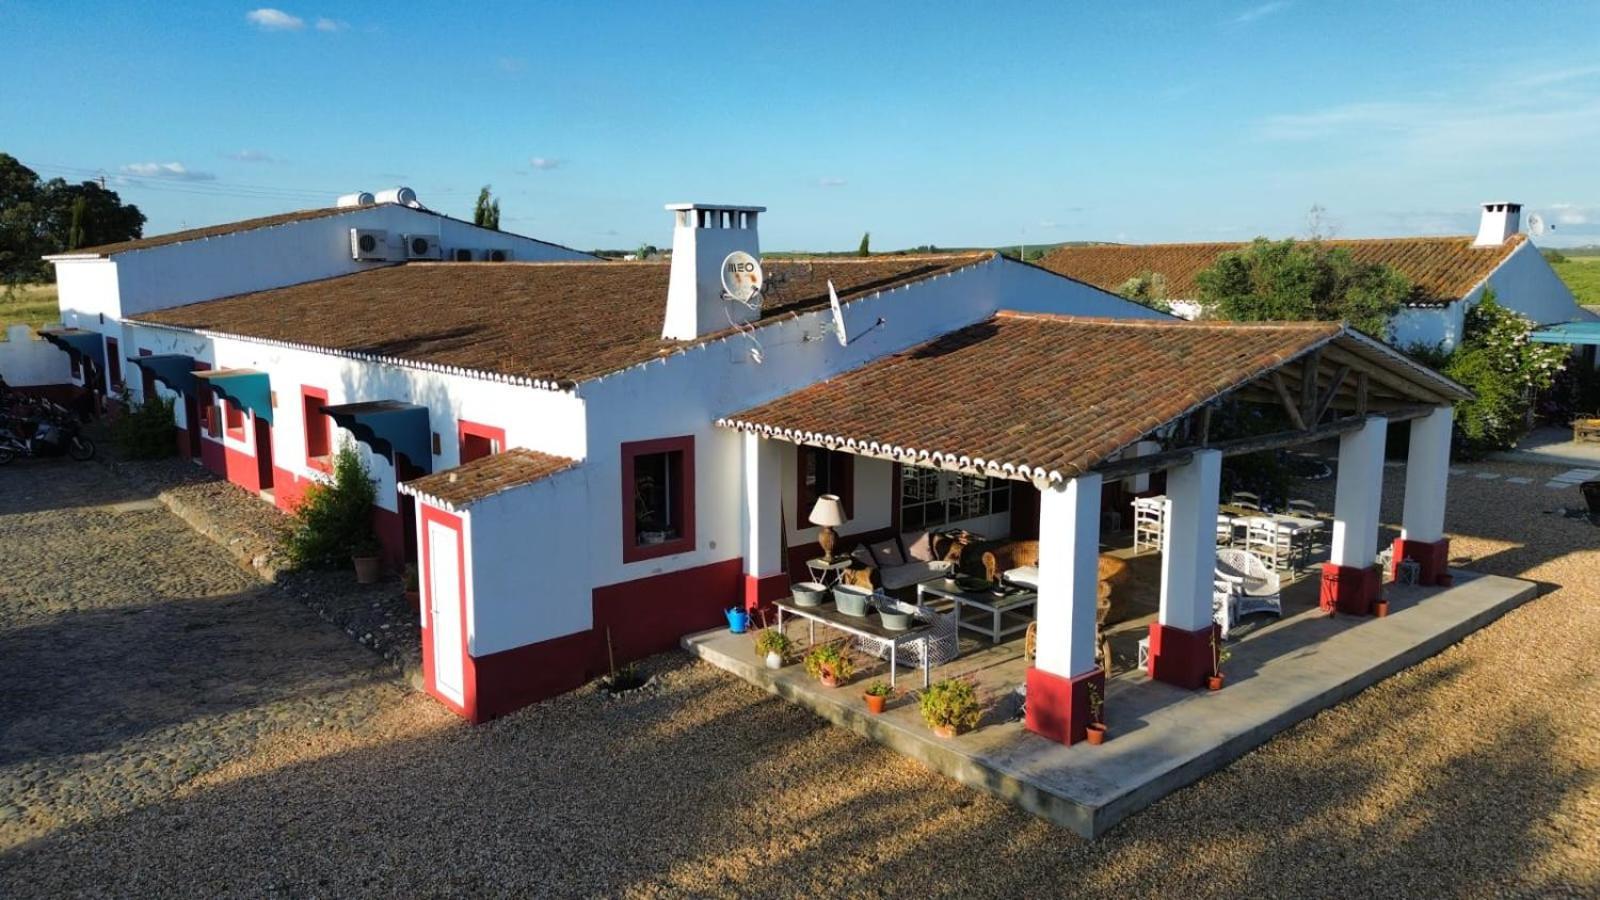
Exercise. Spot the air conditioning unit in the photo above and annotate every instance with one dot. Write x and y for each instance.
(369, 243)
(422, 246)
(497, 255)
(461, 255)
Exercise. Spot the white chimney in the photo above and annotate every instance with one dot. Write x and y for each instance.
(703, 234)
(1500, 221)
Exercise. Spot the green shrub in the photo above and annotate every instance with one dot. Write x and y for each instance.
(952, 702)
(1505, 371)
(145, 430)
(827, 660)
(333, 521)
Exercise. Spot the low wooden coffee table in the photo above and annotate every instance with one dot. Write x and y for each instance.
(997, 618)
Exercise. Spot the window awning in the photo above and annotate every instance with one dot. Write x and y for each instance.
(1577, 333)
(175, 370)
(79, 343)
(245, 388)
(389, 427)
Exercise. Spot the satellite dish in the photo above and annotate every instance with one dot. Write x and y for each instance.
(838, 316)
(1535, 224)
(742, 278)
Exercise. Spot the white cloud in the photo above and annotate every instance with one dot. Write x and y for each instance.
(1573, 214)
(274, 19)
(253, 156)
(829, 181)
(1556, 76)
(1257, 12)
(331, 25)
(544, 163)
(172, 171)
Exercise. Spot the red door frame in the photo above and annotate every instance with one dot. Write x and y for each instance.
(263, 452)
(469, 688)
(466, 429)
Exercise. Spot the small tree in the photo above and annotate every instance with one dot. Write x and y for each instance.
(1504, 370)
(334, 520)
(866, 244)
(1302, 281)
(486, 212)
(144, 430)
(1147, 288)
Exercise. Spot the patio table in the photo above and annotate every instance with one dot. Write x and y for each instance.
(861, 626)
(1004, 614)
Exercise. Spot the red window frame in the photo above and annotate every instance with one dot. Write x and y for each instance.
(233, 419)
(318, 428)
(632, 550)
(204, 401)
(113, 363)
(475, 441)
(841, 469)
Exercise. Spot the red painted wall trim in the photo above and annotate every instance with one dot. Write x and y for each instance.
(307, 392)
(466, 429)
(631, 551)
(469, 689)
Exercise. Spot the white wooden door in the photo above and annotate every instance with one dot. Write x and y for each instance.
(444, 603)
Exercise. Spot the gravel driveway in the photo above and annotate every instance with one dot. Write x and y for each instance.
(1475, 774)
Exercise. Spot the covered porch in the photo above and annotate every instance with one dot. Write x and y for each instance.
(1076, 404)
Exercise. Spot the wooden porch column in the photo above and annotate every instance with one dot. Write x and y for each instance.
(1069, 556)
(1180, 639)
(764, 580)
(1427, 479)
(1349, 582)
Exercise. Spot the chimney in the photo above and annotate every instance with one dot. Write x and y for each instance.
(703, 234)
(1500, 221)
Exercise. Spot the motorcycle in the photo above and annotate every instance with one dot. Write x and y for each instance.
(49, 437)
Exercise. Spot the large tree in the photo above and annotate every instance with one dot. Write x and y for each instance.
(1302, 280)
(42, 217)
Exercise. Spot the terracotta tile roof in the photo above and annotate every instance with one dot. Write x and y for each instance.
(1037, 396)
(465, 485)
(556, 323)
(1443, 269)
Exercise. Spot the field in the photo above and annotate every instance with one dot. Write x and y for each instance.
(1582, 275)
(34, 304)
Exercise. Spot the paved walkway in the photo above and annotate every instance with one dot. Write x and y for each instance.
(136, 655)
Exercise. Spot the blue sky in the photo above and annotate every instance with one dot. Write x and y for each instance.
(933, 123)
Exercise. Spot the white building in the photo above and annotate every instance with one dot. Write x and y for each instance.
(1450, 274)
(588, 459)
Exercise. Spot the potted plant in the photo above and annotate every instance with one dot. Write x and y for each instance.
(877, 696)
(949, 706)
(365, 554)
(1219, 655)
(829, 664)
(1096, 730)
(1380, 607)
(773, 645)
(413, 592)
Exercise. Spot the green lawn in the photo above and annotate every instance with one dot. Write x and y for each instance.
(34, 304)
(1582, 275)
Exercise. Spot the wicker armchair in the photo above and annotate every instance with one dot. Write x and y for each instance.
(1113, 573)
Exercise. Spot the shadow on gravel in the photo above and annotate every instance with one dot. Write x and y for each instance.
(30, 486)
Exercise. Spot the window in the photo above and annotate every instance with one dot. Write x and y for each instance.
(930, 498)
(319, 450)
(233, 419)
(824, 471)
(478, 441)
(113, 363)
(658, 498)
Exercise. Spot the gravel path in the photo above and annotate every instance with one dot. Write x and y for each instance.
(1475, 774)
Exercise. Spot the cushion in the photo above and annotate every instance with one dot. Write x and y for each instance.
(863, 555)
(887, 553)
(919, 546)
(911, 573)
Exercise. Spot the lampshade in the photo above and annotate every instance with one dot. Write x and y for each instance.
(828, 511)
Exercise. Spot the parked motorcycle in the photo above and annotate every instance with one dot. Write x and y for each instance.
(46, 437)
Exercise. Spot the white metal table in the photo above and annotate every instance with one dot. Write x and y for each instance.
(826, 572)
(861, 626)
(1004, 614)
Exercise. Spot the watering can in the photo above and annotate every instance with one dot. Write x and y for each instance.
(738, 620)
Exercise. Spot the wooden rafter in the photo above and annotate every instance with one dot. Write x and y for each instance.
(1326, 399)
(1288, 402)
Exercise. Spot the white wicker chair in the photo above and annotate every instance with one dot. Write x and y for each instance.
(1149, 519)
(1271, 540)
(1252, 586)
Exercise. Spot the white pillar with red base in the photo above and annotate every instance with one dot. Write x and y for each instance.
(1350, 584)
(764, 580)
(1064, 670)
(1181, 637)
(1427, 479)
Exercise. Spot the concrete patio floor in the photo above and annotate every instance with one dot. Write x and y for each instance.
(1161, 737)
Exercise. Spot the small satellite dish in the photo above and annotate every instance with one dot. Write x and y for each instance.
(1535, 224)
(742, 278)
(838, 316)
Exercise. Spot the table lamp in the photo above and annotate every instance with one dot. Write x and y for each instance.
(828, 513)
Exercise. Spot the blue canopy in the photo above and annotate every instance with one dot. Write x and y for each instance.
(80, 343)
(389, 427)
(174, 370)
(1578, 333)
(245, 388)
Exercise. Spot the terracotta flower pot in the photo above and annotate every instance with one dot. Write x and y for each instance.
(944, 731)
(828, 679)
(1380, 608)
(1214, 682)
(1096, 733)
(366, 569)
(875, 703)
